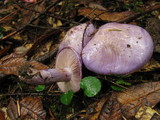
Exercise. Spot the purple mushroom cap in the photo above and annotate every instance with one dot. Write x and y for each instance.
(118, 49)
(77, 37)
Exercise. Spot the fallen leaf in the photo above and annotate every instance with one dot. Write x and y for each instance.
(147, 94)
(30, 108)
(103, 15)
(111, 110)
(94, 109)
(14, 64)
(151, 66)
(12, 110)
(2, 115)
(10, 64)
(33, 108)
(145, 113)
(129, 103)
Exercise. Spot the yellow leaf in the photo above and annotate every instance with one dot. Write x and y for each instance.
(150, 66)
(17, 36)
(145, 113)
(7, 28)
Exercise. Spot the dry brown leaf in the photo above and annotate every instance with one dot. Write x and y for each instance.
(12, 110)
(94, 109)
(127, 104)
(103, 15)
(146, 94)
(2, 115)
(32, 107)
(151, 66)
(12, 64)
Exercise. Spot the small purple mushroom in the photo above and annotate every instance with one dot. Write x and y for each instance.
(77, 37)
(118, 49)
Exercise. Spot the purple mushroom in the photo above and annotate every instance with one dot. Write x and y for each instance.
(67, 72)
(118, 49)
(77, 37)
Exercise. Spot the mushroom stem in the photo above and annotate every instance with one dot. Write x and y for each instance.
(50, 75)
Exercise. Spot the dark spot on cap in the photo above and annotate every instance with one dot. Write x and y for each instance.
(71, 31)
(128, 46)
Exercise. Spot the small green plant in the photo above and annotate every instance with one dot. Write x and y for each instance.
(91, 86)
(120, 82)
(40, 88)
(66, 98)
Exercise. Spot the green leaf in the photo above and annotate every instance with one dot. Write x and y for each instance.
(66, 98)
(40, 88)
(116, 88)
(1, 35)
(122, 82)
(91, 86)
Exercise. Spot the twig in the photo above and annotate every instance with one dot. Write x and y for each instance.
(32, 94)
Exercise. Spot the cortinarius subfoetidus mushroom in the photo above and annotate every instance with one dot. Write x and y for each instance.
(67, 72)
(118, 49)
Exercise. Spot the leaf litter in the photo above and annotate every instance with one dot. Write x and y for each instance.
(27, 108)
(27, 23)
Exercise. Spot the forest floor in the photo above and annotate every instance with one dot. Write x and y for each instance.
(34, 31)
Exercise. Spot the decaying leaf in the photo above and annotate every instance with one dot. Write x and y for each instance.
(145, 113)
(12, 110)
(32, 108)
(2, 115)
(10, 64)
(94, 109)
(13, 64)
(136, 102)
(147, 94)
(103, 15)
(151, 66)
